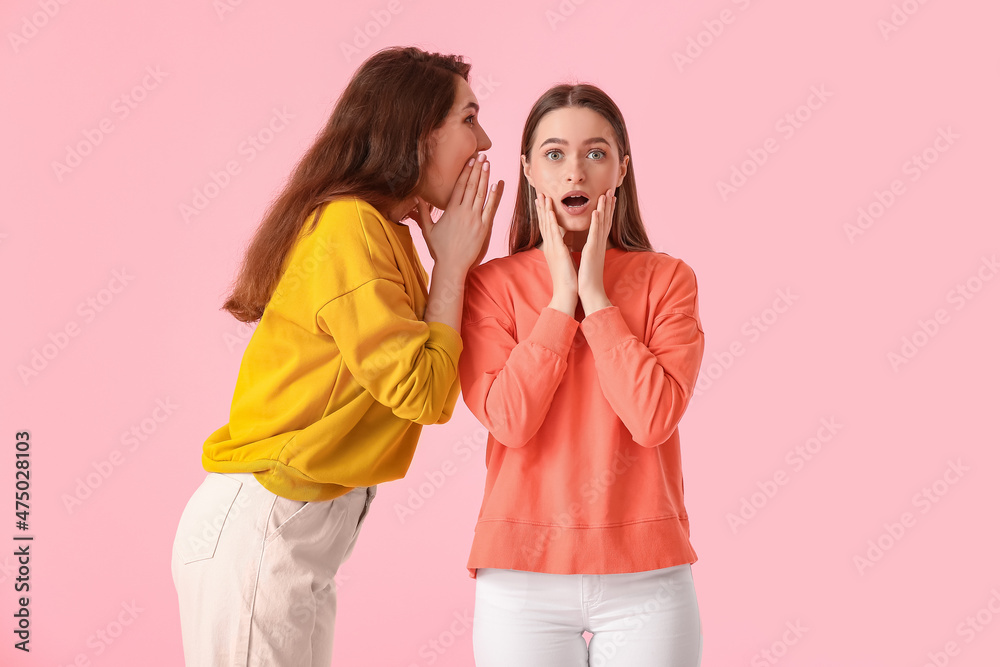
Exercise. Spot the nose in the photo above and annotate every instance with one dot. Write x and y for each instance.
(483, 140)
(574, 170)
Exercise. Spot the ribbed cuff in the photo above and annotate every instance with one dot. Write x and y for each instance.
(555, 331)
(449, 339)
(605, 328)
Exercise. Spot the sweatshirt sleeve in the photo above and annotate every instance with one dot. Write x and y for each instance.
(649, 386)
(452, 400)
(407, 364)
(508, 385)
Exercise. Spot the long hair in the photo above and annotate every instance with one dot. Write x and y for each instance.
(373, 147)
(627, 229)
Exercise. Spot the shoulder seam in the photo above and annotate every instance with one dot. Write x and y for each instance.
(353, 289)
(371, 258)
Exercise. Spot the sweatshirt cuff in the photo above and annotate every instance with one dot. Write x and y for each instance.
(447, 338)
(554, 330)
(605, 328)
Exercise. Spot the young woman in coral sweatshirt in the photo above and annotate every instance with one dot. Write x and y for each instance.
(353, 353)
(581, 352)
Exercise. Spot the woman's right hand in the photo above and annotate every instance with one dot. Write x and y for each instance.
(459, 239)
(561, 267)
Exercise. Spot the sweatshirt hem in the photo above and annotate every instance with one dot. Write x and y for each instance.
(637, 546)
(281, 480)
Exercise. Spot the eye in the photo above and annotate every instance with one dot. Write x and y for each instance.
(600, 153)
(553, 154)
(471, 118)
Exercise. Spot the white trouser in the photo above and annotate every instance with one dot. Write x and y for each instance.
(254, 573)
(534, 619)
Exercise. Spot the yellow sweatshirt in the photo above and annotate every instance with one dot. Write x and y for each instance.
(341, 371)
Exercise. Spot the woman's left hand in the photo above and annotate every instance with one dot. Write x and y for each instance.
(591, 274)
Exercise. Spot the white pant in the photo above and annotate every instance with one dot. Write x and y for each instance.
(534, 619)
(254, 573)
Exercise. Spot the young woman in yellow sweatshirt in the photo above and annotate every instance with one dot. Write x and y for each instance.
(353, 353)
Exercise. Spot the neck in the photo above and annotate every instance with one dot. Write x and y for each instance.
(571, 248)
(399, 210)
(576, 240)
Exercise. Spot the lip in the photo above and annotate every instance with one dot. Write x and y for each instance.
(575, 210)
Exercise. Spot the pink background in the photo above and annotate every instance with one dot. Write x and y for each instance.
(887, 96)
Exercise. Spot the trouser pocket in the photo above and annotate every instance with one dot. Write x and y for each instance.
(212, 505)
(369, 497)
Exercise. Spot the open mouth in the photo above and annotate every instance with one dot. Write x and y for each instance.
(575, 204)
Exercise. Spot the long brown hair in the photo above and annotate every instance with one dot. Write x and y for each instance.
(373, 147)
(627, 230)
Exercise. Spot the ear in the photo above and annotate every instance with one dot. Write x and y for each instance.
(432, 140)
(526, 168)
(622, 171)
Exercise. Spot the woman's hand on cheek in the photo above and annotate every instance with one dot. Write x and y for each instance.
(564, 280)
(492, 203)
(593, 296)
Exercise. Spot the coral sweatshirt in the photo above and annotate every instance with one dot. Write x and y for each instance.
(583, 457)
(341, 372)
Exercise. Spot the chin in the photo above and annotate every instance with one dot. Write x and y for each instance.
(578, 225)
(437, 202)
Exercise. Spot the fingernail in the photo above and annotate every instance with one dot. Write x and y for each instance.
(482, 156)
(493, 188)
(486, 166)
(472, 161)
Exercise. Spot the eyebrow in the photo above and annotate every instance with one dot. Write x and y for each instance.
(471, 105)
(563, 142)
